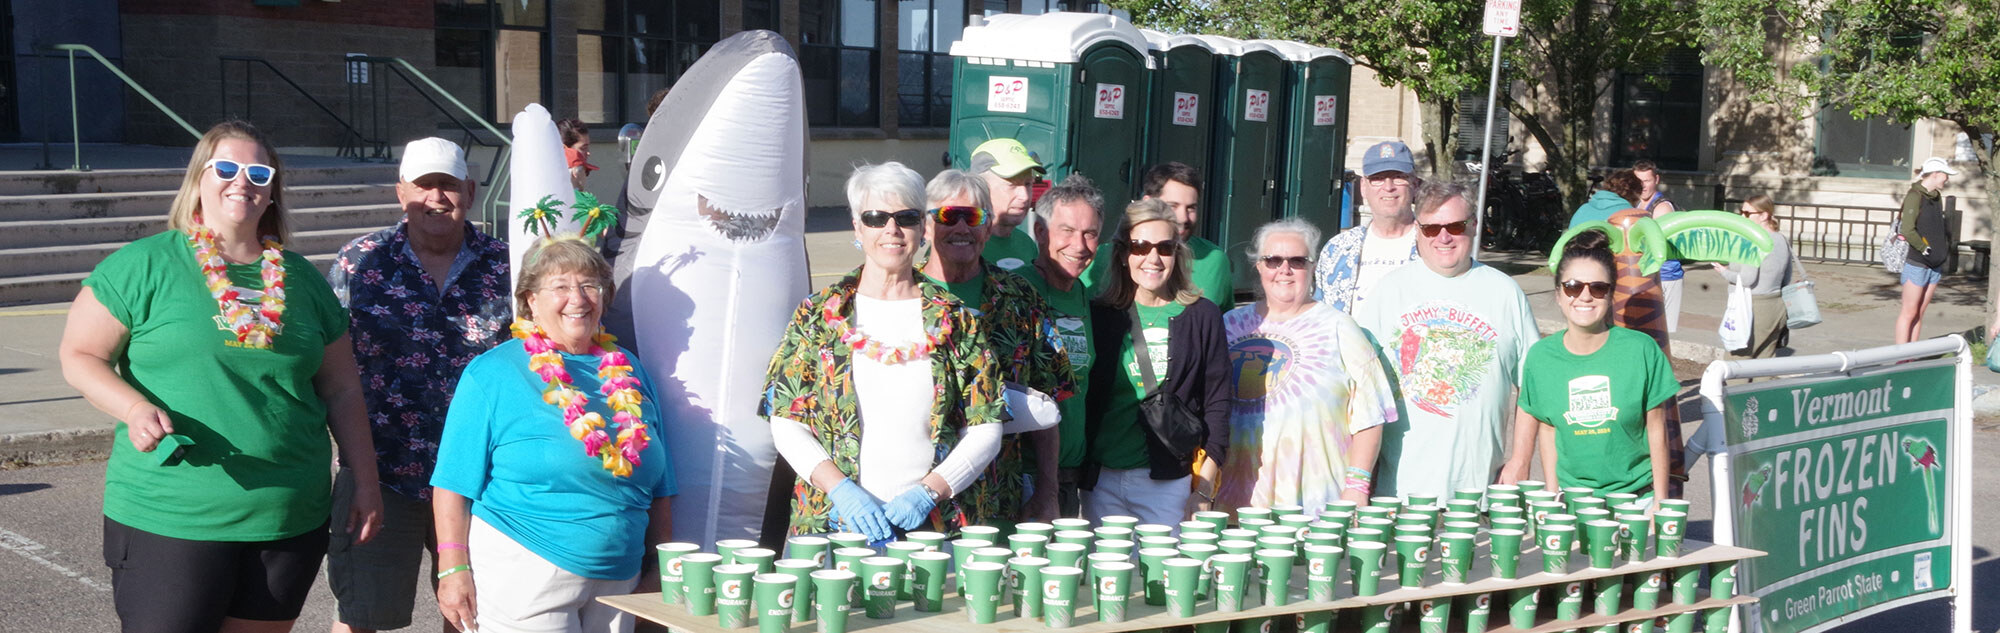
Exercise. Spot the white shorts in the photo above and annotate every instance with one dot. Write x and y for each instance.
(1135, 493)
(519, 592)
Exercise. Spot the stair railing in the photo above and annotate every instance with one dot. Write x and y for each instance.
(75, 124)
(496, 174)
(351, 143)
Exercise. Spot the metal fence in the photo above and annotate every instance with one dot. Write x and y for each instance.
(1844, 233)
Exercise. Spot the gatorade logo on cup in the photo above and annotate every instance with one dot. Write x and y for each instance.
(1484, 601)
(1107, 587)
(732, 589)
(1551, 542)
(1653, 580)
(1392, 611)
(1265, 627)
(1426, 606)
(1050, 587)
(1573, 589)
(674, 568)
(819, 559)
(1624, 533)
(785, 599)
(1534, 598)
(1316, 567)
(843, 565)
(1423, 554)
(1671, 528)
(1012, 577)
(1444, 549)
(880, 580)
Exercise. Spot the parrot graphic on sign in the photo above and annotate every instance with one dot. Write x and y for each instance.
(1924, 457)
(1753, 485)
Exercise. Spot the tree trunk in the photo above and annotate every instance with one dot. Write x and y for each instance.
(1989, 166)
(1440, 141)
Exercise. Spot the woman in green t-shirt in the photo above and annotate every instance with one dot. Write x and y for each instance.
(1593, 396)
(225, 360)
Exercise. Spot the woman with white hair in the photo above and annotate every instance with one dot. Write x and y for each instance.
(1311, 394)
(883, 394)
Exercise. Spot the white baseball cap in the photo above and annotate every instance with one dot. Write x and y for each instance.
(1936, 164)
(431, 156)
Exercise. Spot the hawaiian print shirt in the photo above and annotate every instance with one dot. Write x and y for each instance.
(1338, 276)
(1020, 326)
(411, 341)
(811, 380)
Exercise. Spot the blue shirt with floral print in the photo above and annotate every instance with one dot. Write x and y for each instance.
(413, 339)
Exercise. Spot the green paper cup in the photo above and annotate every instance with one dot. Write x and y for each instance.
(1341, 505)
(1507, 523)
(1455, 557)
(1536, 486)
(1112, 589)
(670, 569)
(1202, 552)
(1074, 537)
(1024, 583)
(1163, 542)
(1522, 602)
(1033, 527)
(1119, 520)
(1322, 540)
(1646, 590)
(1115, 546)
(762, 558)
(1071, 524)
(1216, 518)
(831, 590)
(1715, 620)
(1239, 534)
(1183, 585)
(983, 582)
(1582, 505)
(1586, 515)
(1286, 531)
(1059, 584)
(1616, 499)
(1115, 533)
(802, 586)
(1201, 537)
(1279, 542)
(1298, 522)
(776, 596)
(1213, 627)
(1255, 513)
(1153, 573)
(1152, 529)
(1670, 527)
(1322, 571)
(1540, 511)
(997, 555)
(1680, 622)
(1379, 523)
(1315, 622)
(1342, 518)
(1380, 508)
(1230, 582)
(698, 582)
(881, 579)
(903, 551)
(1366, 566)
(732, 595)
(1478, 610)
(846, 559)
(986, 533)
(1555, 548)
(1610, 595)
(1635, 535)
(1274, 575)
(1415, 515)
(1192, 526)
(1469, 528)
(1233, 546)
(1571, 494)
(1414, 554)
(846, 539)
(812, 548)
(961, 553)
(932, 541)
(1682, 506)
(727, 548)
(1028, 544)
(1424, 531)
(1505, 500)
(1506, 553)
(1433, 615)
(1602, 543)
(1324, 525)
(1065, 554)
(1468, 494)
(1419, 499)
(1569, 605)
(928, 588)
(1283, 509)
(1365, 535)
(1722, 580)
(1381, 618)
(1687, 584)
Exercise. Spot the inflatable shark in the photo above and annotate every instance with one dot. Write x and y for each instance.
(719, 270)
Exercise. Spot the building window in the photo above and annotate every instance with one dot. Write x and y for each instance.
(493, 55)
(1862, 148)
(628, 49)
(1657, 114)
(760, 14)
(838, 62)
(923, 67)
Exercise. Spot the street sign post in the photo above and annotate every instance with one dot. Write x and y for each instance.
(1854, 473)
(1502, 20)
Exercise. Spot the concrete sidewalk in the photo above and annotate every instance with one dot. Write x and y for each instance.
(43, 420)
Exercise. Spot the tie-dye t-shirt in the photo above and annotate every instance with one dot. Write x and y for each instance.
(1304, 387)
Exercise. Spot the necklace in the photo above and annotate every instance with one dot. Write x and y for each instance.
(620, 389)
(255, 328)
(881, 352)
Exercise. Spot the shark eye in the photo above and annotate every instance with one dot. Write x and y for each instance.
(654, 174)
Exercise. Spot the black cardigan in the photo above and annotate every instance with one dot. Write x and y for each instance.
(1198, 372)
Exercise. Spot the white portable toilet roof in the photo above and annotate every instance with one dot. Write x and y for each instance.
(1232, 46)
(1155, 40)
(1178, 41)
(1060, 37)
(1303, 52)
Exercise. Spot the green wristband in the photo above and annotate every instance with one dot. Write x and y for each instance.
(453, 570)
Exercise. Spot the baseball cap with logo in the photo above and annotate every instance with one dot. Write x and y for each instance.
(1005, 157)
(432, 155)
(1387, 156)
(1935, 164)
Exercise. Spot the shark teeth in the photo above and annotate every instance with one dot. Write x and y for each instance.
(738, 227)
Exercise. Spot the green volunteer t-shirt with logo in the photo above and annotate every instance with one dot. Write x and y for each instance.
(971, 292)
(1598, 403)
(1121, 443)
(259, 466)
(1072, 321)
(1013, 252)
(1210, 268)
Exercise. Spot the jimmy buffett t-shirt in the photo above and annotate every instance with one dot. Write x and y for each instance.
(1454, 346)
(1598, 403)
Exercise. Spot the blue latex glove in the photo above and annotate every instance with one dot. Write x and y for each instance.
(859, 511)
(909, 509)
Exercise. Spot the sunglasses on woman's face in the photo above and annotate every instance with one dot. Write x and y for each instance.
(1454, 228)
(970, 216)
(905, 218)
(226, 170)
(1598, 289)
(1275, 262)
(1143, 248)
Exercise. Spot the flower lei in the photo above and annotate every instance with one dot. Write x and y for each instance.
(254, 328)
(620, 389)
(882, 352)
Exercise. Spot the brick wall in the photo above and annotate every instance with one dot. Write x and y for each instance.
(390, 13)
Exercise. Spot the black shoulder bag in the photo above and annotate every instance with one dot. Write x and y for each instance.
(1175, 425)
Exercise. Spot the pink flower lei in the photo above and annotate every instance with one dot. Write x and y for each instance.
(620, 389)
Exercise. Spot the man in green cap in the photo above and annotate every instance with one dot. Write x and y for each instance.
(1010, 170)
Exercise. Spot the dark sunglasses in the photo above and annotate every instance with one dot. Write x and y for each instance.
(905, 218)
(970, 216)
(227, 170)
(1143, 247)
(1455, 228)
(1598, 289)
(1275, 262)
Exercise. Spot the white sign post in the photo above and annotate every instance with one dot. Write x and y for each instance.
(1503, 20)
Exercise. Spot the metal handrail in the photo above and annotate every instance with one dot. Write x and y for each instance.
(405, 70)
(381, 148)
(75, 124)
(496, 176)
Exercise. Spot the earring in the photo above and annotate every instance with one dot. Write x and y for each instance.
(857, 243)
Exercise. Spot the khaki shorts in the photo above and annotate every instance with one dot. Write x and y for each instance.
(375, 585)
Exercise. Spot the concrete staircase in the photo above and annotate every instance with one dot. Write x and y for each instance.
(56, 226)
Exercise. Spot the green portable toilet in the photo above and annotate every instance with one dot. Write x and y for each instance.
(1310, 165)
(1243, 178)
(1069, 86)
(1183, 102)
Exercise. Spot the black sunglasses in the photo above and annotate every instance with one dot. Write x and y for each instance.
(1143, 247)
(905, 218)
(1455, 228)
(1598, 289)
(1275, 262)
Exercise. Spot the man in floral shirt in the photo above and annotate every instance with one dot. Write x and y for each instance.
(425, 296)
(1355, 259)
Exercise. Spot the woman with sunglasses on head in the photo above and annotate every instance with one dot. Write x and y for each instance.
(884, 395)
(1311, 394)
(1595, 394)
(1139, 463)
(1766, 281)
(226, 362)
